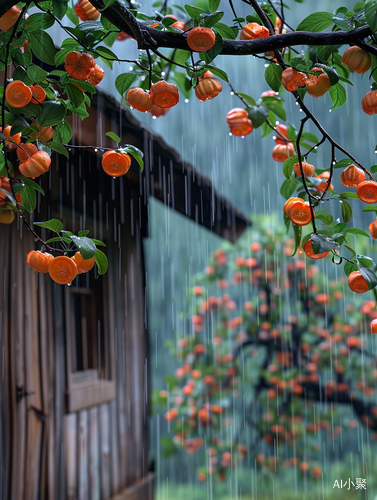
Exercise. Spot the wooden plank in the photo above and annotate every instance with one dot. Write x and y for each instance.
(71, 452)
(5, 397)
(94, 479)
(141, 490)
(89, 394)
(83, 456)
(104, 452)
(17, 304)
(114, 449)
(34, 423)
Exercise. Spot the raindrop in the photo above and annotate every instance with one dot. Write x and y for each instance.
(232, 93)
(95, 150)
(154, 117)
(242, 137)
(300, 110)
(277, 123)
(230, 133)
(186, 101)
(296, 103)
(114, 178)
(329, 110)
(315, 147)
(266, 65)
(131, 68)
(35, 239)
(70, 284)
(163, 73)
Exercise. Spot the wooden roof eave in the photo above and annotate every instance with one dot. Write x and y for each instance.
(166, 176)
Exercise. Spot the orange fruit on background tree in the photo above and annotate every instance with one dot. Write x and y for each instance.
(239, 122)
(78, 65)
(17, 94)
(309, 252)
(373, 229)
(164, 94)
(367, 191)
(307, 168)
(283, 151)
(39, 261)
(9, 19)
(357, 59)
(318, 85)
(291, 79)
(373, 326)
(208, 89)
(289, 202)
(85, 11)
(83, 265)
(299, 212)
(201, 39)
(352, 176)
(321, 187)
(357, 282)
(36, 165)
(7, 216)
(139, 99)
(282, 132)
(116, 164)
(28, 150)
(369, 103)
(62, 270)
(38, 94)
(95, 75)
(252, 31)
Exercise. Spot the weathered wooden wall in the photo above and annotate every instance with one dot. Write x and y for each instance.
(99, 452)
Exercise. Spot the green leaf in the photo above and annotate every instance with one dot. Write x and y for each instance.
(36, 74)
(297, 231)
(247, 98)
(52, 113)
(59, 239)
(101, 261)
(321, 244)
(107, 3)
(194, 12)
(357, 232)
(59, 148)
(113, 136)
(342, 163)
(123, 82)
(213, 5)
(225, 31)
(106, 53)
(288, 166)
(183, 83)
(75, 95)
(43, 47)
(325, 218)
(210, 55)
(212, 19)
(372, 208)
(84, 232)
(273, 76)
(258, 115)
(275, 106)
(350, 267)
(364, 261)
(85, 246)
(218, 72)
(308, 136)
(369, 276)
(337, 94)
(39, 22)
(34, 185)
(346, 211)
(53, 225)
(60, 8)
(29, 198)
(98, 242)
(316, 22)
(371, 14)
(60, 56)
(136, 154)
(63, 131)
(288, 188)
(348, 195)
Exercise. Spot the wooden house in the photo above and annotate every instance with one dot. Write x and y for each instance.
(74, 384)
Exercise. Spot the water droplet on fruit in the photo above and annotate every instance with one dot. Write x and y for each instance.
(114, 178)
(69, 284)
(154, 117)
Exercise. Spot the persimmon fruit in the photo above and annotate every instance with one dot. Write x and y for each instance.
(201, 39)
(116, 164)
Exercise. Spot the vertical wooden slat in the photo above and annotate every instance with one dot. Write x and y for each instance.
(83, 456)
(5, 407)
(34, 423)
(104, 452)
(94, 474)
(17, 372)
(70, 439)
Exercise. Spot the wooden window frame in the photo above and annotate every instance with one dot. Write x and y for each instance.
(85, 388)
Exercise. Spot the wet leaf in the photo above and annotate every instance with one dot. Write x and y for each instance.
(316, 22)
(85, 246)
(273, 76)
(54, 225)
